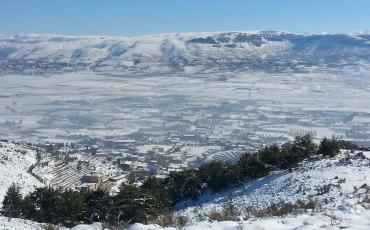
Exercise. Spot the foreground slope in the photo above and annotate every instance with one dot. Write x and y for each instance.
(339, 188)
(15, 162)
(19, 224)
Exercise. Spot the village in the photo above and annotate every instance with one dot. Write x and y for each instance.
(89, 163)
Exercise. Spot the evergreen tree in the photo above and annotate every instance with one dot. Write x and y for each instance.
(174, 186)
(12, 203)
(47, 202)
(272, 155)
(98, 205)
(214, 175)
(252, 166)
(29, 210)
(329, 147)
(234, 175)
(72, 208)
(290, 159)
(193, 187)
(303, 147)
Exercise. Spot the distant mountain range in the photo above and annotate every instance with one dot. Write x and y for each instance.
(183, 53)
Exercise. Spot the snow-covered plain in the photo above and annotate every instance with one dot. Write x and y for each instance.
(273, 84)
(264, 106)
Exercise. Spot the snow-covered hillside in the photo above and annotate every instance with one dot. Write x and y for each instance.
(15, 161)
(294, 222)
(19, 224)
(339, 187)
(186, 53)
(340, 175)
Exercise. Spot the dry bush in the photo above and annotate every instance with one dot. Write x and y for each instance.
(248, 212)
(360, 155)
(215, 215)
(116, 227)
(230, 211)
(199, 215)
(365, 202)
(166, 220)
(334, 220)
(51, 227)
(310, 205)
(326, 188)
(181, 221)
(279, 209)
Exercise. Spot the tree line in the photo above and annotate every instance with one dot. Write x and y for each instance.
(153, 198)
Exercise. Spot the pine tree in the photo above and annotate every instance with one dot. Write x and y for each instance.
(272, 155)
(214, 174)
(303, 147)
(72, 208)
(329, 147)
(252, 166)
(12, 203)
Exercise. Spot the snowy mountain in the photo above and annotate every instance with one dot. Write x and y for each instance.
(187, 53)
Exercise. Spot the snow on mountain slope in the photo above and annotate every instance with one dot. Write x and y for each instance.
(19, 224)
(342, 174)
(15, 160)
(266, 50)
(293, 222)
(338, 186)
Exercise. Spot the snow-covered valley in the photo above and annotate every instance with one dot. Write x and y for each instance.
(121, 109)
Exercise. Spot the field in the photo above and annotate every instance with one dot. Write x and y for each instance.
(229, 106)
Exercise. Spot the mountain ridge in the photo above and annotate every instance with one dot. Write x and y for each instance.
(185, 53)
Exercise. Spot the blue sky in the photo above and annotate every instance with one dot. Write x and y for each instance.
(140, 17)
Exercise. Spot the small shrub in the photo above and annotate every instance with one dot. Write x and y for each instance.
(248, 212)
(51, 227)
(334, 220)
(181, 221)
(365, 202)
(230, 211)
(167, 220)
(310, 205)
(326, 188)
(215, 215)
(360, 155)
(280, 209)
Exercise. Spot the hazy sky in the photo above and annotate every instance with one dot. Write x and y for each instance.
(138, 17)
